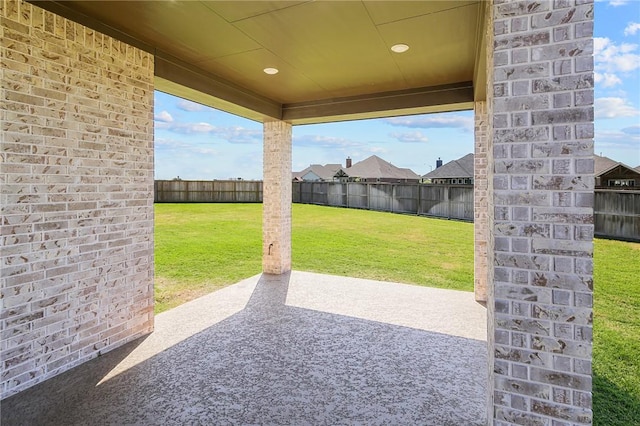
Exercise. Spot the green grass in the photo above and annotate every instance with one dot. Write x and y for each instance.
(383, 246)
(200, 248)
(616, 349)
(203, 247)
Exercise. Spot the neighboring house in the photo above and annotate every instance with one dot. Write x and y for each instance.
(458, 171)
(372, 169)
(317, 173)
(375, 169)
(614, 174)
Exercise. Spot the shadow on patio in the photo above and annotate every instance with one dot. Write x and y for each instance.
(295, 349)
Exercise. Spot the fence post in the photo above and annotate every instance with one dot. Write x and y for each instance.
(393, 196)
(347, 194)
(447, 201)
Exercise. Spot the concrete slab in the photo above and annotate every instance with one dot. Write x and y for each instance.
(431, 309)
(300, 348)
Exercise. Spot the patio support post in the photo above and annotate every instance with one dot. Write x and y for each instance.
(276, 213)
(481, 200)
(542, 297)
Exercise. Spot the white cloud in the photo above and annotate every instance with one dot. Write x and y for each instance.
(632, 28)
(232, 134)
(619, 139)
(237, 134)
(201, 127)
(411, 137)
(205, 151)
(620, 145)
(615, 3)
(335, 149)
(167, 142)
(614, 108)
(186, 105)
(611, 59)
(163, 116)
(183, 147)
(433, 121)
(606, 79)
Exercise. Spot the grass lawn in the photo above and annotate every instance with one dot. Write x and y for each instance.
(383, 246)
(616, 323)
(200, 248)
(203, 247)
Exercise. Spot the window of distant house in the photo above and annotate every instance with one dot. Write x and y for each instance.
(622, 182)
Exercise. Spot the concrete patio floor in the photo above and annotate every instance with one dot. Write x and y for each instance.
(297, 349)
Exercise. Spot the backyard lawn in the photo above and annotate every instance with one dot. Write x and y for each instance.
(204, 247)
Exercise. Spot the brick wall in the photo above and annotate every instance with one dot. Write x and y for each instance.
(543, 199)
(276, 206)
(77, 194)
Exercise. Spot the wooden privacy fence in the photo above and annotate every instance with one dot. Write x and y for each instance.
(208, 191)
(449, 201)
(616, 213)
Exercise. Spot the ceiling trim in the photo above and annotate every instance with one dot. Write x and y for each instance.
(222, 94)
(450, 97)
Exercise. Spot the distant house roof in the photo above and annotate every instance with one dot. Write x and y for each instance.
(603, 165)
(460, 168)
(375, 167)
(325, 172)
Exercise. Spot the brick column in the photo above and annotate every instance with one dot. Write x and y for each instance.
(481, 200)
(543, 196)
(276, 207)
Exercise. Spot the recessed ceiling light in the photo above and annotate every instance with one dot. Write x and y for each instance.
(399, 48)
(270, 71)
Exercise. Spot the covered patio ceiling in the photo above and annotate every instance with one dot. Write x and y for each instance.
(334, 57)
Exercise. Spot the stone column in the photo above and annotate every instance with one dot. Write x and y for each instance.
(276, 213)
(481, 200)
(543, 205)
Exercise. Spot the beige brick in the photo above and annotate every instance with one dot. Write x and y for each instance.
(540, 228)
(276, 256)
(69, 238)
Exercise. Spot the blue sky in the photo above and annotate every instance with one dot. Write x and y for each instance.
(197, 142)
